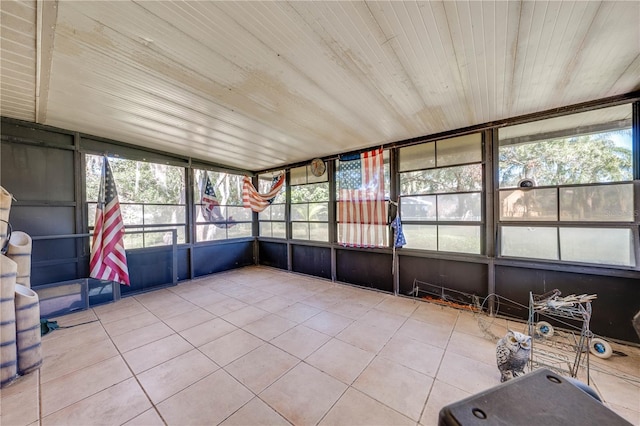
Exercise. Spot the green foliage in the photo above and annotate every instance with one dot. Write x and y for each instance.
(576, 160)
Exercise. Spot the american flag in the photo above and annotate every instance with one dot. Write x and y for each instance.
(210, 205)
(362, 210)
(257, 202)
(108, 258)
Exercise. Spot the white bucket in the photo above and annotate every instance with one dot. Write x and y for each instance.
(8, 351)
(20, 252)
(29, 342)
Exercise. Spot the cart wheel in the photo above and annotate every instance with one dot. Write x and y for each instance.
(544, 329)
(600, 348)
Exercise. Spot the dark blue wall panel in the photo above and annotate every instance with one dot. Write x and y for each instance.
(466, 277)
(364, 268)
(273, 254)
(310, 260)
(208, 259)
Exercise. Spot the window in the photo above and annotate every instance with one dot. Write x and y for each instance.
(221, 214)
(273, 219)
(580, 207)
(309, 205)
(151, 195)
(441, 194)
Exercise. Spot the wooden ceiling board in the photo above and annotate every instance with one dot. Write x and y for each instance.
(259, 85)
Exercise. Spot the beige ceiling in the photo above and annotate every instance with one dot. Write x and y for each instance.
(258, 85)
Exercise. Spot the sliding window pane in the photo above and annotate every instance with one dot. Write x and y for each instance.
(319, 232)
(299, 212)
(607, 246)
(418, 157)
(606, 203)
(239, 230)
(450, 179)
(300, 231)
(529, 205)
(460, 239)
(529, 242)
(462, 207)
(460, 150)
(421, 236)
(418, 208)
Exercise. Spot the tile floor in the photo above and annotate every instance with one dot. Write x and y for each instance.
(259, 346)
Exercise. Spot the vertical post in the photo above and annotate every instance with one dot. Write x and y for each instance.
(331, 170)
(491, 207)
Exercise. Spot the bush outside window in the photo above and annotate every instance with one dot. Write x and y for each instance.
(309, 205)
(151, 196)
(228, 219)
(272, 220)
(580, 207)
(441, 194)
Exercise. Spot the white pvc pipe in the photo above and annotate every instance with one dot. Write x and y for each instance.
(28, 329)
(5, 208)
(19, 251)
(8, 351)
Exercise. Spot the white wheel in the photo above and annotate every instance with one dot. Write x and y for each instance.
(544, 329)
(600, 348)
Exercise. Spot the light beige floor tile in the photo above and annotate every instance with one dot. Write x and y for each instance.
(399, 387)
(383, 320)
(189, 319)
(121, 309)
(125, 325)
(413, 354)
(273, 304)
(19, 401)
(328, 323)
(244, 316)
(158, 299)
(224, 307)
(481, 325)
(398, 305)
(176, 374)
(367, 337)
(468, 374)
(63, 340)
(435, 314)
(269, 327)
(323, 300)
(155, 353)
(148, 418)
(82, 383)
(632, 416)
(618, 391)
(254, 296)
(141, 336)
(207, 331)
(261, 367)
(231, 346)
(298, 312)
(358, 409)
(300, 341)
(441, 395)
(113, 406)
(77, 317)
(77, 357)
(349, 309)
(255, 413)
(474, 347)
(207, 402)
(340, 360)
(303, 395)
(436, 335)
(209, 298)
(168, 311)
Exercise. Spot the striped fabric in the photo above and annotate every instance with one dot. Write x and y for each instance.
(108, 259)
(257, 202)
(362, 209)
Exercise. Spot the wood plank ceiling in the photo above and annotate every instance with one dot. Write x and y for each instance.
(258, 85)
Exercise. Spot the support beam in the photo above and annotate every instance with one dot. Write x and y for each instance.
(46, 19)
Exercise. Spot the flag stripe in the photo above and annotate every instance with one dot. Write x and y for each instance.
(257, 202)
(108, 257)
(361, 206)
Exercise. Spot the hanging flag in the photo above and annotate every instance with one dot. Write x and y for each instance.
(362, 209)
(398, 236)
(257, 202)
(211, 207)
(108, 259)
